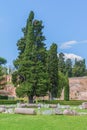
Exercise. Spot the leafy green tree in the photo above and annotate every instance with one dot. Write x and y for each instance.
(2, 61)
(31, 74)
(53, 70)
(79, 68)
(15, 78)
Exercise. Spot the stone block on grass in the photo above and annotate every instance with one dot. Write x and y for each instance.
(58, 112)
(69, 112)
(26, 111)
(52, 106)
(22, 105)
(32, 105)
(2, 106)
(84, 105)
(2, 110)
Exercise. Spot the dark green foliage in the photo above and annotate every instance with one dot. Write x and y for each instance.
(61, 63)
(79, 68)
(61, 83)
(2, 61)
(3, 97)
(31, 74)
(53, 70)
(62, 102)
(66, 89)
(7, 102)
(68, 67)
(64, 66)
(15, 78)
(37, 69)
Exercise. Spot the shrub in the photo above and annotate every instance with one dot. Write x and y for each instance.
(8, 102)
(3, 97)
(62, 102)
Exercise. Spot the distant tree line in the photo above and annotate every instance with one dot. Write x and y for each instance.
(73, 69)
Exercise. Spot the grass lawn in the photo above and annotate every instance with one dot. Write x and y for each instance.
(42, 122)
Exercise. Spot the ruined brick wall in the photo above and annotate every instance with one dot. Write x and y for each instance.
(78, 88)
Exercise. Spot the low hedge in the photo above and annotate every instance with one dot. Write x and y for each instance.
(7, 102)
(3, 97)
(62, 102)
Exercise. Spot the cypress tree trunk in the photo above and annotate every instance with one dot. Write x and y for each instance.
(50, 96)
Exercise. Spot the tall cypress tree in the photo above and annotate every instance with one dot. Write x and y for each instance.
(66, 88)
(61, 63)
(31, 73)
(68, 67)
(61, 83)
(53, 70)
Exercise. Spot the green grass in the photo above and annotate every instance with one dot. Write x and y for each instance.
(42, 122)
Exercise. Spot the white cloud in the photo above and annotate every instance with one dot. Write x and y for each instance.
(69, 44)
(72, 56)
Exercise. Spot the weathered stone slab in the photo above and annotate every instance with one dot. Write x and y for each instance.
(69, 112)
(10, 106)
(84, 105)
(27, 111)
(58, 112)
(32, 105)
(25, 105)
(52, 106)
(2, 106)
(2, 110)
(22, 105)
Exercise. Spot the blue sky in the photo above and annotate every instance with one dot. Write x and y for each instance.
(65, 23)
